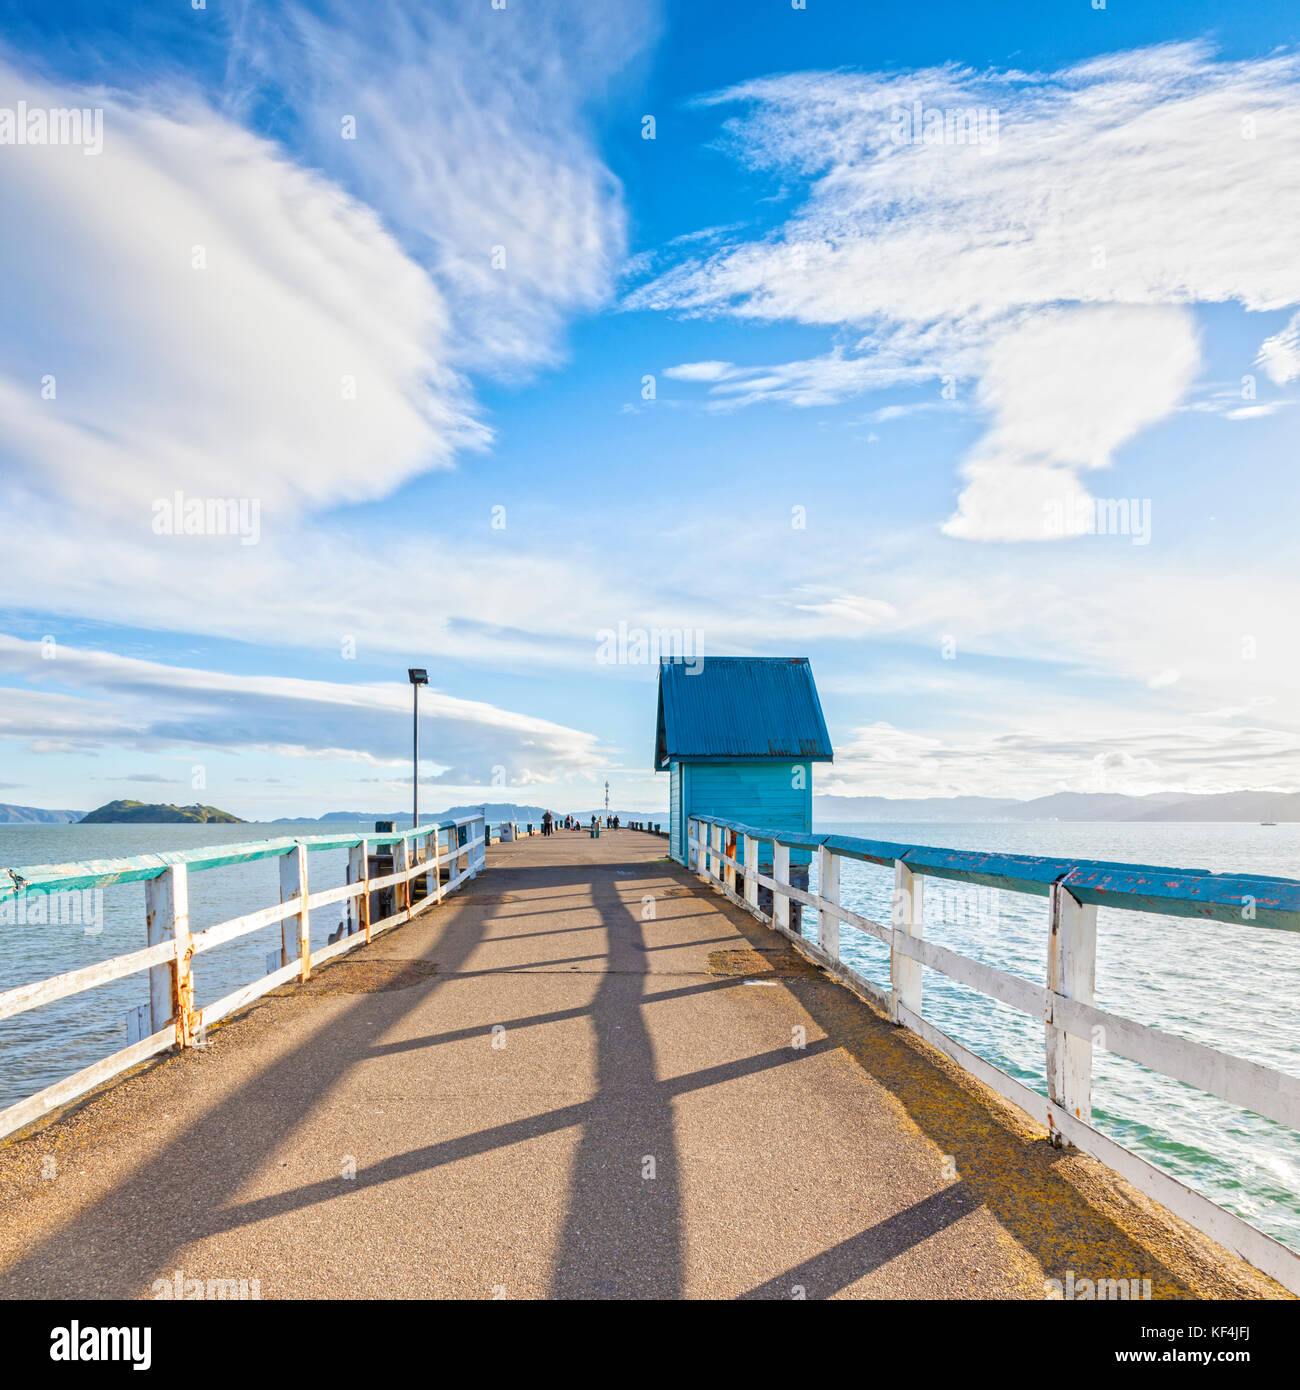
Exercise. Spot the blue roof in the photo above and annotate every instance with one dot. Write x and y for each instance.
(733, 708)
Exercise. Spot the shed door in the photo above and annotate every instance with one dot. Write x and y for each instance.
(676, 838)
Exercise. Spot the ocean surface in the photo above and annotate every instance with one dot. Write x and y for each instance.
(1230, 986)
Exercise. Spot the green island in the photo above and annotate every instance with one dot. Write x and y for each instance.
(155, 814)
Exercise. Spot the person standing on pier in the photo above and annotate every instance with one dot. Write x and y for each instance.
(546, 823)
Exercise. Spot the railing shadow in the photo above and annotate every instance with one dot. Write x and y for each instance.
(184, 1190)
(999, 1161)
(623, 1235)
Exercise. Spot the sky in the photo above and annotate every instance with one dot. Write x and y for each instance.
(955, 347)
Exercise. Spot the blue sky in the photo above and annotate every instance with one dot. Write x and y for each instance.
(997, 425)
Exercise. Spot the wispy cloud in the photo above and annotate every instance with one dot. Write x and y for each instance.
(157, 708)
(469, 136)
(1108, 756)
(1117, 191)
(1279, 355)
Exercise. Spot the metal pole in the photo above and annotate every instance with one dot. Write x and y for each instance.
(415, 756)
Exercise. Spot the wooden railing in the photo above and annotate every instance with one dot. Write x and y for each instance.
(1064, 1001)
(172, 1019)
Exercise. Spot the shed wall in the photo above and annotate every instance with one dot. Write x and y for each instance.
(762, 794)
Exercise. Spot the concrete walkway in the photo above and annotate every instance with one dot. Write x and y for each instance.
(584, 1076)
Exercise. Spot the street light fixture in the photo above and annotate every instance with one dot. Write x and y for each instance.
(417, 677)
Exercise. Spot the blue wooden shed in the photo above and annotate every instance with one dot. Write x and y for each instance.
(737, 736)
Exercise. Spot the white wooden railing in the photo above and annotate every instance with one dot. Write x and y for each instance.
(1064, 1000)
(172, 1019)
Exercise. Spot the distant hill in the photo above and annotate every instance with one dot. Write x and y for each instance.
(36, 815)
(496, 811)
(144, 813)
(1066, 806)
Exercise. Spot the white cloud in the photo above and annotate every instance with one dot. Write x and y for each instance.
(1279, 355)
(200, 305)
(153, 707)
(229, 381)
(211, 317)
(471, 140)
(701, 371)
(1141, 181)
(850, 615)
(1064, 391)
(1030, 761)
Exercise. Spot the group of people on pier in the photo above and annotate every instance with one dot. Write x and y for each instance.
(552, 822)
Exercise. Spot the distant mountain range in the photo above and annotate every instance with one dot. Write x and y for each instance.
(146, 813)
(1066, 806)
(36, 815)
(496, 811)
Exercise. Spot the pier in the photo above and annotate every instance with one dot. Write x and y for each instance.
(575, 1068)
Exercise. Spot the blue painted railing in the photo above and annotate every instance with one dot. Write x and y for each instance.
(170, 1018)
(726, 855)
(1256, 899)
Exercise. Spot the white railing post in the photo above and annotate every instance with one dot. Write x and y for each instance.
(701, 851)
(908, 920)
(828, 890)
(359, 872)
(171, 986)
(751, 871)
(295, 931)
(1071, 972)
(478, 857)
(715, 863)
(436, 845)
(781, 875)
(401, 863)
(729, 849)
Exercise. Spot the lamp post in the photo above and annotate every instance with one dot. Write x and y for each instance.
(417, 678)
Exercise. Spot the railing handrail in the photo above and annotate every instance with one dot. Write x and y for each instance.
(1064, 1001)
(1256, 900)
(172, 946)
(102, 873)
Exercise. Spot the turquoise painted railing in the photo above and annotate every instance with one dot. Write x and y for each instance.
(726, 853)
(172, 1020)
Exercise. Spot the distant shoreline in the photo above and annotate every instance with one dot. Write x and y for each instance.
(662, 817)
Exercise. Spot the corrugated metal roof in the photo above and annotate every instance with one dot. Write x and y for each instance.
(737, 707)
